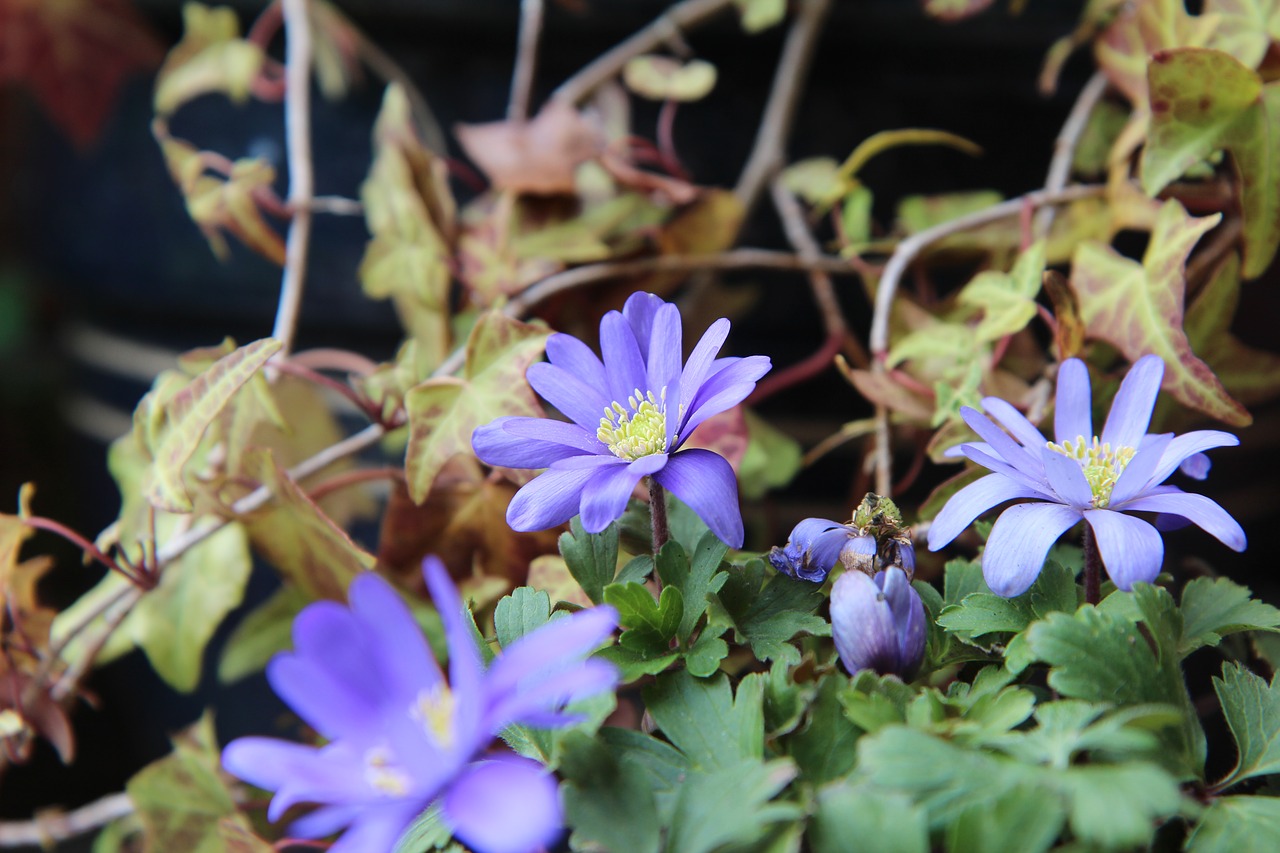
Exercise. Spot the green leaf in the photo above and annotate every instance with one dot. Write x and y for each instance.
(1252, 709)
(962, 578)
(1246, 28)
(767, 615)
(427, 832)
(874, 701)
(824, 748)
(546, 746)
(1068, 727)
(1138, 308)
(696, 578)
(651, 625)
(1024, 819)
(1007, 300)
(1234, 824)
(210, 58)
(731, 804)
(443, 412)
(704, 656)
(983, 613)
(1099, 656)
(1206, 100)
(635, 663)
(592, 558)
(701, 717)
(526, 609)
(265, 632)
(1118, 806)
(758, 15)
(608, 800)
(664, 78)
(190, 412)
(1212, 608)
(771, 461)
(846, 812)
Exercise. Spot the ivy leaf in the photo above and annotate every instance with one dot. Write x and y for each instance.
(1246, 28)
(1252, 709)
(1138, 308)
(983, 613)
(443, 412)
(1250, 375)
(704, 720)
(210, 58)
(767, 615)
(715, 808)
(1215, 607)
(261, 635)
(847, 811)
(1237, 823)
(1007, 300)
(1204, 101)
(526, 609)
(664, 78)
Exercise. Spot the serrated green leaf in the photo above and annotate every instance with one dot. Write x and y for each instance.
(1024, 819)
(210, 58)
(1138, 308)
(1252, 709)
(546, 746)
(526, 609)
(704, 656)
(443, 412)
(635, 663)
(696, 578)
(1068, 727)
(592, 558)
(730, 804)
(651, 625)
(1118, 806)
(427, 832)
(767, 615)
(608, 801)
(1007, 300)
(1212, 608)
(704, 720)
(846, 812)
(1235, 824)
(824, 748)
(961, 578)
(262, 634)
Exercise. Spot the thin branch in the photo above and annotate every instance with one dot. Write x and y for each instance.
(90, 549)
(670, 24)
(48, 830)
(732, 260)
(297, 125)
(336, 205)
(769, 150)
(1064, 147)
(887, 287)
(353, 478)
(526, 60)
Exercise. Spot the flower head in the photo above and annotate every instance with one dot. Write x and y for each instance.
(400, 736)
(873, 540)
(878, 623)
(1082, 475)
(629, 415)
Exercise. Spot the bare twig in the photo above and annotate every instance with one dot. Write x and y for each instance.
(887, 287)
(526, 60)
(1064, 147)
(731, 260)
(775, 126)
(297, 124)
(48, 830)
(667, 26)
(337, 206)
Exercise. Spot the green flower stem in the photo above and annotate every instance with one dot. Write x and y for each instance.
(658, 512)
(1092, 568)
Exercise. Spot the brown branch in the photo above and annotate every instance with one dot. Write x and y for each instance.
(48, 830)
(1064, 147)
(353, 478)
(526, 59)
(670, 24)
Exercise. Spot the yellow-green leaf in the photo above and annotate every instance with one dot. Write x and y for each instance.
(1250, 375)
(443, 412)
(1007, 300)
(954, 10)
(1246, 28)
(758, 15)
(1138, 308)
(663, 78)
(190, 413)
(210, 58)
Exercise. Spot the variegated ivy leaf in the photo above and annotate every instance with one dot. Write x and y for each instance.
(1246, 28)
(1250, 375)
(1138, 308)
(210, 58)
(1007, 300)
(443, 412)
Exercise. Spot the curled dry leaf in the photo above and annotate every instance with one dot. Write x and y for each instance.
(538, 156)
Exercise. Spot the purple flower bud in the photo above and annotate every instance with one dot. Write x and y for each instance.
(878, 623)
(812, 549)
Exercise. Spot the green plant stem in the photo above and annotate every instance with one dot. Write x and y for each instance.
(658, 513)
(1092, 568)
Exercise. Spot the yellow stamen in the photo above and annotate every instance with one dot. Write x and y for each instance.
(382, 773)
(434, 710)
(638, 429)
(1102, 465)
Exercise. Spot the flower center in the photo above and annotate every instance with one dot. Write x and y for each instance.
(434, 710)
(381, 772)
(638, 429)
(1102, 465)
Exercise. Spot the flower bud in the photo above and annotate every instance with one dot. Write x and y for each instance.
(878, 623)
(811, 550)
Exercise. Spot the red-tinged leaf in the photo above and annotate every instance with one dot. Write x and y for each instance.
(880, 389)
(210, 58)
(1251, 375)
(1246, 28)
(538, 156)
(444, 412)
(190, 413)
(551, 574)
(725, 433)
(951, 11)
(1138, 308)
(295, 536)
(1068, 331)
(74, 54)
(22, 715)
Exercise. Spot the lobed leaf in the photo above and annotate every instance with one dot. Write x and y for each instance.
(210, 58)
(767, 615)
(1252, 709)
(592, 558)
(1232, 824)
(1212, 608)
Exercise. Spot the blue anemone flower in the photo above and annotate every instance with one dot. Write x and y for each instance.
(878, 623)
(629, 415)
(1082, 476)
(400, 737)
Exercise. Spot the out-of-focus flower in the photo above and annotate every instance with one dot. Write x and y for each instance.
(400, 737)
(873, 540)
(629, 416)
(1081, 475)
(878, 623)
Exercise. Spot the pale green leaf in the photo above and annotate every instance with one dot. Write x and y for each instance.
(1215, 607)
(210, 58)
(262, 634)
(1252, 709)
(662, 78)
(1236, 824)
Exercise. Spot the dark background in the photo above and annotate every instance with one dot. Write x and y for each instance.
(98, 240)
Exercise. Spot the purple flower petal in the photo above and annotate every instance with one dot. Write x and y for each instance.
(699, 364)
(551, 693)
(972, 501)
(531, 442)
(299, 774)
(582, 403)
(506, 805)
(548, 500)
(662, 361)
(333, 701)
(399, 649)
(325, 820)
(576, 358)
(1014, 421)
(465, 669)
(605, 496)
(622, 359)
(1138, 475)
(1008, 449)
(1131, 410)
(1020, 541)
(956, 451)
(1073, 404)
(862, 625)
(640, 310)
(705, 481)
(1131, 549)
(908, 618)
(1067, 478)
(551, 647)
(1034, 481)
(1196, 466)
(726, 389)
(1184, 447)
(1201, 511)
(378, 828)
